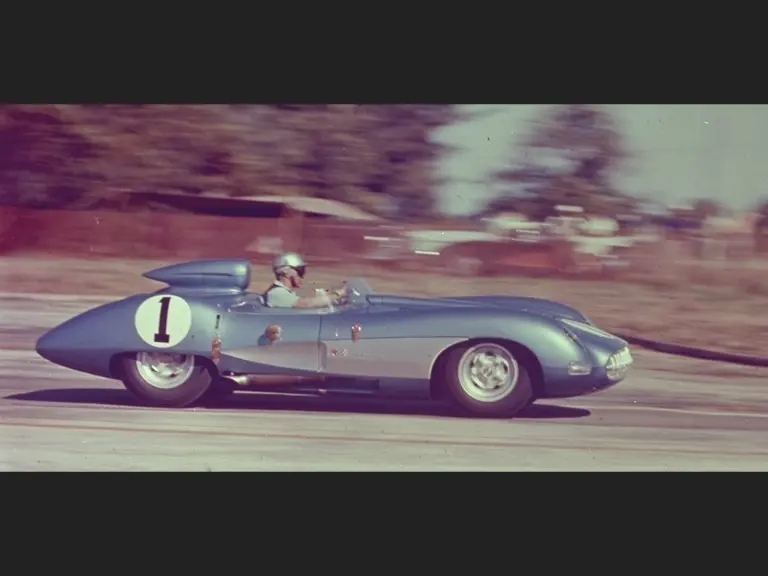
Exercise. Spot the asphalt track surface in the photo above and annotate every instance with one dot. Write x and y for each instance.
(670, 414)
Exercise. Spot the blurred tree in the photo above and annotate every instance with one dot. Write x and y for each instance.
(760, 231)
(703, 209)
(570, 157)
(378, 157)
(42, 162)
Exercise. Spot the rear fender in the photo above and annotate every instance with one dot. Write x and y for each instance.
(88, 342)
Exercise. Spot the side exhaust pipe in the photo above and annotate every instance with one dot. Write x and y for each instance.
(267, 380)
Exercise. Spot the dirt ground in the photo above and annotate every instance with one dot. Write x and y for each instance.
(721, 316)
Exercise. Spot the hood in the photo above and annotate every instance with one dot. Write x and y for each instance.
(528, 304)
(519, 303)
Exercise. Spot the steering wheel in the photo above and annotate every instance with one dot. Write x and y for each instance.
(330, 302)
(342, 301)
(345, 298)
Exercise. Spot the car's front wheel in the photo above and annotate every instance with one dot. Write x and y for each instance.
(486, 378)
(166, 379)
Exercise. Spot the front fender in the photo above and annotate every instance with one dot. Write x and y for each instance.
(544, 336)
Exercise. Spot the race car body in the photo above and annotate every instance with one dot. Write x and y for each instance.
(205, 335)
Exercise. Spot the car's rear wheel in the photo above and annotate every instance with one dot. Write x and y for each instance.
(486, 378)
(165, 378)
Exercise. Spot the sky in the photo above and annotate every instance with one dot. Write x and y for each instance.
(679, 152)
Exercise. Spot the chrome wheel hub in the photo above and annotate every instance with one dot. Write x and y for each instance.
(488, 372)
(164, 370)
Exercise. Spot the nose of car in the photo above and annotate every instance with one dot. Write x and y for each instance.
(53, 344)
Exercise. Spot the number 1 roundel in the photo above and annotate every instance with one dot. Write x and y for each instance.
(164, 320)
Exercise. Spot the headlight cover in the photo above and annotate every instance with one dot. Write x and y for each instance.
(618, 364)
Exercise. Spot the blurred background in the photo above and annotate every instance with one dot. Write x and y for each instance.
(651, 218)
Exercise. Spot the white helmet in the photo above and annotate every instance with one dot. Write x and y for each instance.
(289, 260)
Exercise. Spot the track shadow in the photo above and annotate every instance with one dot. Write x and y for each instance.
(277, 402)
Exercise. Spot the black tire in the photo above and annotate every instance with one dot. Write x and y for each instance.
(219, 390)
(509, 403)
(194, 386)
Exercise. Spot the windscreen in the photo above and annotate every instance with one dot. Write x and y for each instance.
(358, 290)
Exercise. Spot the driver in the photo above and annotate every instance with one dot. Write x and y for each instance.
(289, 272)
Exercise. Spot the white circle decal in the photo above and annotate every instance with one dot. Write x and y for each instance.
(164, 320)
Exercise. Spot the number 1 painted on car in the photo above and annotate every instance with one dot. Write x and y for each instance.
(161, 336)
(163, 320)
